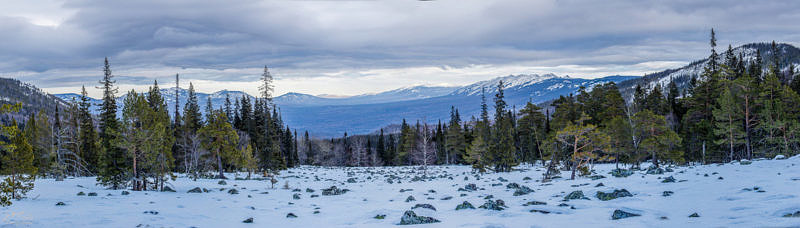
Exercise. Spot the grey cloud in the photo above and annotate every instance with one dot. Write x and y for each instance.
(314, 36)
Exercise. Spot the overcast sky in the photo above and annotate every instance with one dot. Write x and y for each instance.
(355, 47)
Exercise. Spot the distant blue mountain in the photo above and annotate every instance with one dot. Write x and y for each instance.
(362, 114)
(334, 120)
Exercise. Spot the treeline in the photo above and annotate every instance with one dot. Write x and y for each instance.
(143, 147)
(734, 110)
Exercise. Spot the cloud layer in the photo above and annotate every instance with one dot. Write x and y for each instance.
(353, 47)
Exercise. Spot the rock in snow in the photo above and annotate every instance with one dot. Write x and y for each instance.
(411, 218)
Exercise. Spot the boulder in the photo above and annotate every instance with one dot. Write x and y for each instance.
(446, 198)
(471, 187)
(167, 189)
(620, 214)
(410, 198)
(81, 194)
(61, 204)
(333, 190)
(512, 185)
(523, 190)
(465, 205)
(291, 215)
(599, 185)
(694, 215)
(411, 218)
(222, 182)
(379, 217)
(497, 205)
(125, 193)
(655, 171)
(575, 195)
(669, 179)
(248, 220)
(613, 195)
(92, 194)
(351, 180)
(233, 191)
(621, 173)
(597, 177)
(195, 190)
(667, 193)
(296, 196)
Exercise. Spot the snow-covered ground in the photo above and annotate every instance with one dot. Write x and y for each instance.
(724, 198)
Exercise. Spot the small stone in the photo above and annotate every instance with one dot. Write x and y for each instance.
(125, 193)
(792, 215)
(620, 214)
(540, 211)
(61, 204)
(410, 198)
(195, 190)
(248, 220)
(534, 203)
(92, 194)
(667, 193)
(694, 215)
(446, 198)
(423, 205)
(167, 189)
(599, 185)
(151, 212)
(222, 182)
(379, 217)
(291, 215)
(233, 191)
(296, 196)
(669, 179)
(81, 194)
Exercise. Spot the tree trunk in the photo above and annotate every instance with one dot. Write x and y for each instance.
(219, 166)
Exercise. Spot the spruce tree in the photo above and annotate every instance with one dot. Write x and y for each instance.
(502, 147)
(380, 149)
(114, 166)
(88, 136)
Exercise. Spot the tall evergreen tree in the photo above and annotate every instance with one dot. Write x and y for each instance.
(114, 167)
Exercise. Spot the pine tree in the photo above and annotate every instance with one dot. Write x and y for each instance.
(531, 133)
(267, 86)
(220, 139)
(39, 133)
(158, 124)
(582, 140)
(728, 125)
(477, 153)
(18, 162)
(657, 138)
(114, 167)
